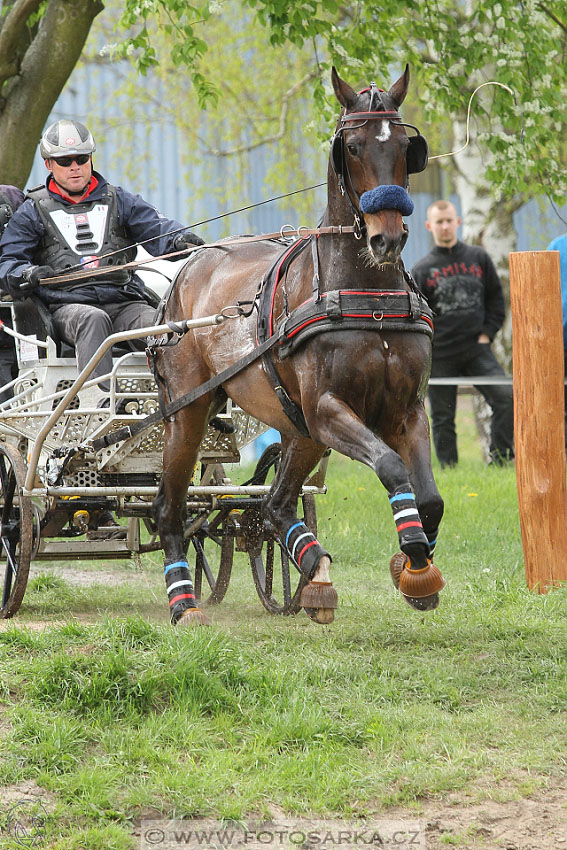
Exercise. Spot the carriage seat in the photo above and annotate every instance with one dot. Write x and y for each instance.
(31, 316)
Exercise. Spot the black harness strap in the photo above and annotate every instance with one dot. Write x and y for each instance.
(347, 309)
(265, 306)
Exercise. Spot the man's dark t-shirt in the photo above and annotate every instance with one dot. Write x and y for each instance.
(463, 290)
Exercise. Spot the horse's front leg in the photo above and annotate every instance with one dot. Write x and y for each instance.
(181, 445)
(299, 457)
(414, 447)
(336, 425)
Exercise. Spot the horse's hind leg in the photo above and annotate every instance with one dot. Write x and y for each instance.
(414, 448)
(299, 457)
(181, 445)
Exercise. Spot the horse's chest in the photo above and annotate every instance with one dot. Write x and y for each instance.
(368, 369)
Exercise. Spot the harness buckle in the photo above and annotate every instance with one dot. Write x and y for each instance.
(288, 229)
(378, 317)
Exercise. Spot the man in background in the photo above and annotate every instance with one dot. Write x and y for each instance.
(463, 289)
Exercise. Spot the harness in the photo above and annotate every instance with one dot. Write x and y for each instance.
(340, 309)
(337, 310)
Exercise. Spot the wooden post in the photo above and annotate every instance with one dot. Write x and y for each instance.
(539, 415)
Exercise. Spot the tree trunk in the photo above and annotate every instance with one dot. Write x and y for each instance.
(488, 222)
(28, 97)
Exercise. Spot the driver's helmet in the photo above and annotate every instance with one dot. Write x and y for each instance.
(66, 137)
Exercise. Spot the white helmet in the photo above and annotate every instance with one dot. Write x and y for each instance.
(66, 137)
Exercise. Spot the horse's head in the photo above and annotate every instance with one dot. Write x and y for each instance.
(371, 158)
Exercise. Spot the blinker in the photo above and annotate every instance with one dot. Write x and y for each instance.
(417, 154)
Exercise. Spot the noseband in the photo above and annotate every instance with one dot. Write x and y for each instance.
(380, 197)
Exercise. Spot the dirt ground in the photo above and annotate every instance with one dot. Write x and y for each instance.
(538, 822)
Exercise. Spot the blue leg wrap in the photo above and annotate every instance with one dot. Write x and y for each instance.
(303, 548)
(179, 588)
(411, 535)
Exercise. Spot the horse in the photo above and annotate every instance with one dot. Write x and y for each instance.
(350, 374)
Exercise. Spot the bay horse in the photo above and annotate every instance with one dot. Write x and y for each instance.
(352, 374)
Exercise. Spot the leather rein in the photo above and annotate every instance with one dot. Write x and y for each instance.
(286, 232)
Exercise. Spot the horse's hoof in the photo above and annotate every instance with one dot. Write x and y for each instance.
(319, 594)
(419, 584)
(420, 588)
(397, 565)
(193, 617)
(426, 603)
(319, 599)
(323, 616)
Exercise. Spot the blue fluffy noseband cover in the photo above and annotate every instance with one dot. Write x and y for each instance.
(386, 198)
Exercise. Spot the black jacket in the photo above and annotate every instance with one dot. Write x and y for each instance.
(464, 291)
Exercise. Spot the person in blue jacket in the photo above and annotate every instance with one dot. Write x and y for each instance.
(560, 244)
(77, 220)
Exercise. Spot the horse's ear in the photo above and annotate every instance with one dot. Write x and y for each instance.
(399, 89)
(346, 96)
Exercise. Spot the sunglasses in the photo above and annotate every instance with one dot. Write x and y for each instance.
(66, 161)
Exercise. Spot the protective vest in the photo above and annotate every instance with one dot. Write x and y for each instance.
(80, 234)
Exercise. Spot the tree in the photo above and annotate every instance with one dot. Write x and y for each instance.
(40, 43)
(452, 47)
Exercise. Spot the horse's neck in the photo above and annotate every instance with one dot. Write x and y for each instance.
(343, 264)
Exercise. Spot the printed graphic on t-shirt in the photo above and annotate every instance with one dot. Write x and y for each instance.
(450, 293)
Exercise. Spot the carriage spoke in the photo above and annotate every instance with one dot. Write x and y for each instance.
(286, 580)
(204, 564)
(10, 572)
(3, 472)
(269, 575)
(8, 489)
(213, 543)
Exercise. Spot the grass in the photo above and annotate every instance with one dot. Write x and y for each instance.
(115, 715)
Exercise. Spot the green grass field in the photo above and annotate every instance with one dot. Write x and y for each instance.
(114, 715)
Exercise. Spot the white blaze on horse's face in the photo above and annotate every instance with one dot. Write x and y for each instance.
(385, 132)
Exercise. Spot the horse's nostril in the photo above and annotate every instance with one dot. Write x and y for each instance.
(378, 244)
(383, 245)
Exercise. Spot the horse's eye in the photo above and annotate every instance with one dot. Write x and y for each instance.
(352, 149)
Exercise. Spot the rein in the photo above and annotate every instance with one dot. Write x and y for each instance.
(287, 231)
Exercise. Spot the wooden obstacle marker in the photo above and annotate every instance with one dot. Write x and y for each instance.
(539, 415)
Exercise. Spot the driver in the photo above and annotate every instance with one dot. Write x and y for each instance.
(76, 219)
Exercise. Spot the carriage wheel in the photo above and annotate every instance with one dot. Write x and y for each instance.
(214, 554)
(16, 530)
(277, 581)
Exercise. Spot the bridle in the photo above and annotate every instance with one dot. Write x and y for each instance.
(416, 154)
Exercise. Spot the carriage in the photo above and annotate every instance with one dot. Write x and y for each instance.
(327, 340)
(54, 483)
